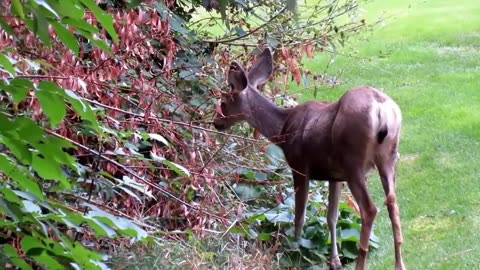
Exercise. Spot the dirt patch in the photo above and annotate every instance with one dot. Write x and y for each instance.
(442, 49)
(408, 158)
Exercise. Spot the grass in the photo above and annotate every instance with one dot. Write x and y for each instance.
(427, 58)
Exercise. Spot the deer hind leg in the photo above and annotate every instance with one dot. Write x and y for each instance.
(386, 169)
(300, 184)
(368, 212)
(334, 189)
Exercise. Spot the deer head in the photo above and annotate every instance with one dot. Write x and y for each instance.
(234, 104)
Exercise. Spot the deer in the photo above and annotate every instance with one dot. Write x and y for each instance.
(338, 142)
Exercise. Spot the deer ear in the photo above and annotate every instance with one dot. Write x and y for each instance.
(261, 69)
(237, 77)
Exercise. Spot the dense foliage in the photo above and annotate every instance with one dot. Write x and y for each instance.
(105, 135)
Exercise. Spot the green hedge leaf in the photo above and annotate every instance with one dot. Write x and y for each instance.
(158, 137)
(17, 8)
(179, 169)
(6, 64)
(40, 27)
(17, 173)
(11, 252)
(51, 101)
(104, 18)
(6, 27)
(49, 169)
(66, 37)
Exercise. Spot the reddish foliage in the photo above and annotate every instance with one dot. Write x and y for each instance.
(97, 76)
(292, 65)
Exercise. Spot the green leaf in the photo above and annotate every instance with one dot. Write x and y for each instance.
(6, 64)
(10, 196)
(246, 191)
(48, 261)
(71, 224)
(47, 7)
(264, 236)
(188, 75)
(30, 207)
(18, 88)
(81, 24)
(82, 108)
(104, 18)
(17, 8)
(282, 216)
(179, 169)
(100, 228)
(350, 234)
(6, 27)
(50, 86)
(51, 149)
(66, 37)
(176, 22)
(80, 252)
(18, 148)
(51, 101)
(124, 225)
(275, 154)
(239, 31)
(127, 181)
(11, 210)
(292, 5)
(222, 7)
(49, 169)
(158, 137)
(134, 3)
(102, 45)
(40, 27)
(28, 242)
(68, 9)
(11, 252)
(306, 243)
(239, 230)
(19, 175)
(24, 125)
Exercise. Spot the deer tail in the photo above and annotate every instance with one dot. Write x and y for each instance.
(382, 133)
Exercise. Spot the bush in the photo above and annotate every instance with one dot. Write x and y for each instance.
(105, 136)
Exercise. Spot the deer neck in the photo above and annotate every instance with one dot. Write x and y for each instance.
(264, 115)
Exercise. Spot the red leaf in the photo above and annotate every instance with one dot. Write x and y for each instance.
(309, 50)
(256, 134)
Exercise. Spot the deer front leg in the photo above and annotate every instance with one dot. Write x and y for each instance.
(334, 189)
(368, 212)
(300, 183)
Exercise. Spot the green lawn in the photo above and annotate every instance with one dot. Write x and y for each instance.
(428, 59)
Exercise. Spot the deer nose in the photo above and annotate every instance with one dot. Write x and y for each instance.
(218, 126)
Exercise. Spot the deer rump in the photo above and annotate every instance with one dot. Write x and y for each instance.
(327, 139)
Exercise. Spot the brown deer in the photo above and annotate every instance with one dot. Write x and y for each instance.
(332, 141)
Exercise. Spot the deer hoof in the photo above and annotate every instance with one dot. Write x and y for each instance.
(335, 263)
(400, 266)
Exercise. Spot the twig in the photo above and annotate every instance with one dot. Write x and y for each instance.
(155, 186)
(39, 77)
(171, 121)
(458, 253)
(248, 33)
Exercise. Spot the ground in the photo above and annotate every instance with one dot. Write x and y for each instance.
(426, 57)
